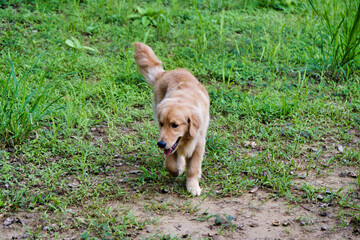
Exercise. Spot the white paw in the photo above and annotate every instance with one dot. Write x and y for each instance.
(193, 187)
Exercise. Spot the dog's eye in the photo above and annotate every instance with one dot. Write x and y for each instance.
(174, 125)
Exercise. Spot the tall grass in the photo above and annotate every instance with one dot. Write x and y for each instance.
(22, 109)
(339, 45)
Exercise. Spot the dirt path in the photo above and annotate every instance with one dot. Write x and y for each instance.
(250, 216)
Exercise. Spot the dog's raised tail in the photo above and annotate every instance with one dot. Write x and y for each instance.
(148, 63)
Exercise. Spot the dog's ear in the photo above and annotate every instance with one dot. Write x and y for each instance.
(194, 123)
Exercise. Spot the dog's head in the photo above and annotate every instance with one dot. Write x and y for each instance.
(178, 124)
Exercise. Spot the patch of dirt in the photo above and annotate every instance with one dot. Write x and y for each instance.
(339, 179)
(250, 216)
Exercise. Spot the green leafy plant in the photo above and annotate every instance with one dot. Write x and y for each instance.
(22, 109)
(339, 45)
(74, 43)
(276, 4)
(148, 16)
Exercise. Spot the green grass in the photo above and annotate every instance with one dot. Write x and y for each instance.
(339, 44)
(76, 118)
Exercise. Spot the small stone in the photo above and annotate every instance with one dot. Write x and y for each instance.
(253, 224)
(320, 197)
(165, 190)
(254, 189)
(323, 213)
(19, 220)
(340, 148)
(241, 226)
(186, 234)
(8, 222)
(323, 205)
(291, 173)
(323, 228)
(276, 223)
(312, 149)
(351, 174)
(302, 223)
(286, 223)
(135, 172)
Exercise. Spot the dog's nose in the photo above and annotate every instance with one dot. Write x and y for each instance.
(161, 144)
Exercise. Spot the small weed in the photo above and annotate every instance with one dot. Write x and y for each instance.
(148, 16)
(22, 109)
(74, 43)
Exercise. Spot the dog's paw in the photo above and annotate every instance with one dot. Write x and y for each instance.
(193, 187)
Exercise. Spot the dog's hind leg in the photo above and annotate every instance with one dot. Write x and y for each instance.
(171, 164)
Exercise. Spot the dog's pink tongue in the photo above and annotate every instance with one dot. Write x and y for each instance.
(167, 151)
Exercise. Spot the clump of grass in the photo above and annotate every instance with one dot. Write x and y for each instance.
(266, 110)
(22, 109)
(277, 4)
(339, 45)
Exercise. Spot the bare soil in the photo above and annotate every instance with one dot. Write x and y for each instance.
(251, 216)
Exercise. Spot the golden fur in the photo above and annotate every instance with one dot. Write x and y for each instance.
(181, 108)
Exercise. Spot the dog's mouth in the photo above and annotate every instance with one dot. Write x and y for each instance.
(173, 148)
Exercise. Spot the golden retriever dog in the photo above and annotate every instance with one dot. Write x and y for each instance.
(181, 109)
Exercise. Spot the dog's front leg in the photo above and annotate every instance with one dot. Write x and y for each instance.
(181, 164)
(171, 165)
(193, 173)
